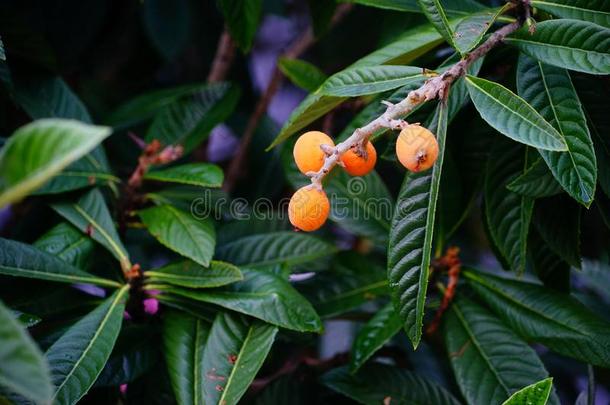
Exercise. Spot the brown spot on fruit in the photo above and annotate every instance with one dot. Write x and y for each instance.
(416, 148)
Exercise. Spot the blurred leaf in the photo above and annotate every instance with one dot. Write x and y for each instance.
(38, 151)
(469, 32)
(571, 44)
(26, 320)
(378, 383)
(451, 7)
(235, 350)
(595, 11)
(242, 18)
(303, 74)
(374, 334)
(188, 121)
(436, 15)
(262, 295)
(553, 319)
(595, 275)
(193, 275)
(22, 260)
(534, 394)
(410, 246)
(551, 269)
(167, 25)
(321, 13)
(230, 231)
(181, 232)
(79, 356)
(23, 369)
(284, 390)
(65, 242)
(536, 181)
(196, 174)
(512, 116)
(92, 217)
(490, 362)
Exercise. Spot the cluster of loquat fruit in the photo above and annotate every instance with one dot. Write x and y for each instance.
(416, 149)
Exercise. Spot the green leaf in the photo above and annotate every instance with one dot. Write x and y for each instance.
(571, 44)
(242, 19)
(534, 394)
(434, 12)
(374, 383)
(193, 275)
(23, 369)
(188, 121)
(374, 334)
(66, 243)
(272, 248)
(91, 216)
(22, 260)
(507, 214)
(262, 295)
(303, 74)
(184, 339)
(451, 7)
(38, 151)
(550, 91)
(358, 81)
(490, 362)
(469, 32)
(195, 174)
(512, 116)
(411, 235)
(540, 314)
(235, 351)
(553, 271)
(79, 356)
(536, 181)
(168, 25)
(595, 11)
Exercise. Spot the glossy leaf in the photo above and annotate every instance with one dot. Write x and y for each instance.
(490, 362)
(92, 217)
(195, 174)
(554, 319)
(262, 295)
(534, 394)
(469, 32)
(435, 13)
(512, 116)
(302, 73)
(235, 350)
(23, 369)
(410, 246)
(374, 334)
(242, 19)
(374, 383)
(192, 275)
(22, 260)
(571, 44)
(181, 232)
(536, 181)
(184, 340)
(66, 243)
(550, 91)
(79, 355)
(40, 150)
(595, 11)
(274, 248)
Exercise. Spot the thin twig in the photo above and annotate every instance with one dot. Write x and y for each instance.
(450, 262)
(225, 53)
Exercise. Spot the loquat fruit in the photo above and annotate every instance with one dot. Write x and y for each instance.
(357, 163)
(416, 148)
(307, 152)
(308, 208)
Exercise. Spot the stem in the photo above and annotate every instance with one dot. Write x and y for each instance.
(225, 53)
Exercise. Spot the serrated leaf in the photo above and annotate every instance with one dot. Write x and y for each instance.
(469, 32)
(79, 356)
(302, 73)
(411, 235)
(550, 91)
(23, 369)
(512, 116)
(67, 243)
(92, 217)
(40, 150)
(195, 174)
(192, 275)
(22, 260)
(272, 248)
(184, 339)
(358, 81)
(434, 12)
(242, 19)
(374, 383)
(181, 232)
(534, 394)
(595, 11)
(536, 181)
(540, 314)
(262, 295)
(490, 362)
(374, 334)
(235, 350)
(571, 44)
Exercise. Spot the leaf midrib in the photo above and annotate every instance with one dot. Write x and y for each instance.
(188, 229)
(560, 5)
(550, 45)
(55, 276)
(235, 366)
(102, 231)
